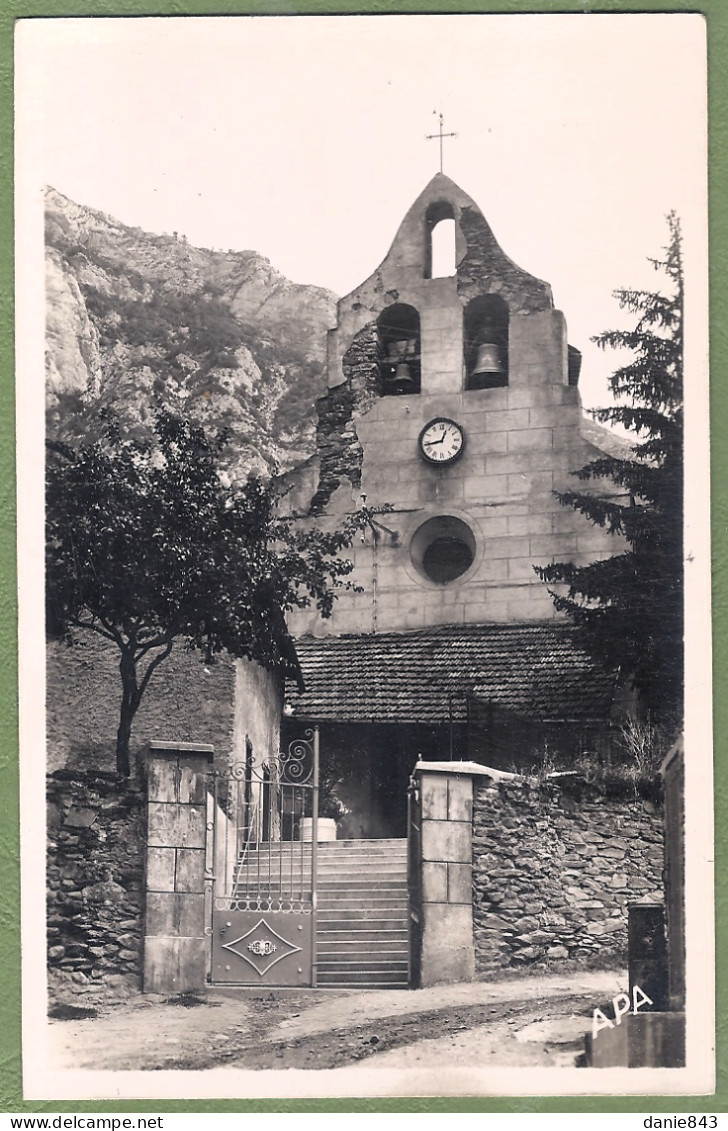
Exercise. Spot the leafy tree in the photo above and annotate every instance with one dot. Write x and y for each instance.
(148, 542)
(629, 608)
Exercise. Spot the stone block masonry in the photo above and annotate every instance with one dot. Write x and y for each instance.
(445, 907)
(555, 865)
(175, 943)
(95, 870)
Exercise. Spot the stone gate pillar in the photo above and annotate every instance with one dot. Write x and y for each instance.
(175, 943)
(447, 952)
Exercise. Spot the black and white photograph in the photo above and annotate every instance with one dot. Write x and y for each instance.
(364, 604)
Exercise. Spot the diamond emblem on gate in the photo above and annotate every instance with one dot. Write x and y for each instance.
(261, 947)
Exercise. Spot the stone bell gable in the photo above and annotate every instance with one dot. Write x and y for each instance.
(474, 347)
(405, 279)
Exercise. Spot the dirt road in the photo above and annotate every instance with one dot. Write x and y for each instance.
(523, 1022)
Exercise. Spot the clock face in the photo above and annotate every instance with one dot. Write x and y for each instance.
(441, 441)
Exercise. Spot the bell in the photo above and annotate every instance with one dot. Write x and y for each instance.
(402, 381)
(488, 360)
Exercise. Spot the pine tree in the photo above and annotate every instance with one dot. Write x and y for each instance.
(629, 608)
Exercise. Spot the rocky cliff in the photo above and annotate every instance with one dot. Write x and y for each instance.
(135, 318)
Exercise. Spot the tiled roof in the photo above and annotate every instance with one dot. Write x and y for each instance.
(534, 670)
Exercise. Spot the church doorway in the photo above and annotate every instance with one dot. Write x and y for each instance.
(366, 768)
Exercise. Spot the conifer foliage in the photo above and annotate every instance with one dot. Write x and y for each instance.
(148, 542)
(629, 608)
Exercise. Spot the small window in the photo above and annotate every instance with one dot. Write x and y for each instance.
(399, 350)
(574, 365)
(446, 559)
(443, 549)
(441, 249)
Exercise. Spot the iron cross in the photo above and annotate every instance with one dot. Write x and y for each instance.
(440, 135)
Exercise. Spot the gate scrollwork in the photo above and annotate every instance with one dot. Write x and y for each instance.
(296, 763)
(293, 766)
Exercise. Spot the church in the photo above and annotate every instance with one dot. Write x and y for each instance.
(453, 410)
(443, 677)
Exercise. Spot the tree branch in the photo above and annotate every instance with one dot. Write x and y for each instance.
(150, 668)
(106, 633)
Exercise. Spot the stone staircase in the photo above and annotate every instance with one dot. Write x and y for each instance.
(361, 935)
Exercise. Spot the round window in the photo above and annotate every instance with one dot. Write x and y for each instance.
(443, 549)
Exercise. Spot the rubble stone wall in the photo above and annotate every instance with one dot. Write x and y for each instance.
(554, 867)
(95, 875)
(338, 445)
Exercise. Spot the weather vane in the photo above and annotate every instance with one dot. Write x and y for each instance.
(440, 135)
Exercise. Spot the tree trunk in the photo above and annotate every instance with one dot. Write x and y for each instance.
(132, 691)
(123, 737)
(130, 699)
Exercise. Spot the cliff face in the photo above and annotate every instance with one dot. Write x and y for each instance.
(135, 318)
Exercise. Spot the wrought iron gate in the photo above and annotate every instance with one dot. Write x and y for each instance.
(414, 877)
(262, 854)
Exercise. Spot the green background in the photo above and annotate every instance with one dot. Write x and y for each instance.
(716, 14)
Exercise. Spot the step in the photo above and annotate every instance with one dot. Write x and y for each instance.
(348, 899)
(366, 870)
(362, 888)
(359, 893)
(375, 878)
(355, 934)
(361, 914)
(299, 851)
(377, 848)
(363, 950)
(355, 931)
(390, 844)
(326, 875)
(363, 927)
(398, 968)
(353, 926)
(354, 874)
(375, 980)
(364, 961)
(345, 900)
(330, 911)
(351, 862)
(352, 900)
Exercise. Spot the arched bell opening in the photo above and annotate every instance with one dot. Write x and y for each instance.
(485, 342)
(399, 350)
(440, 241)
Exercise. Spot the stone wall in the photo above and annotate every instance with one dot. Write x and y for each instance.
(554, 867)
(257, 717)
(186, 697)
(337, 443)
(485, 263)
(95, 870)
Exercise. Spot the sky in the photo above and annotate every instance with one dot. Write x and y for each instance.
(304, 138)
